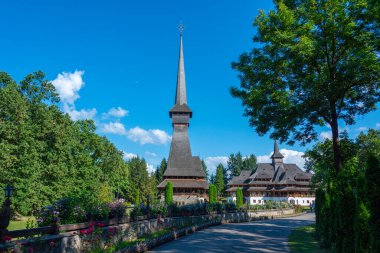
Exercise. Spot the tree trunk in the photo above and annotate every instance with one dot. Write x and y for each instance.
(336, 144)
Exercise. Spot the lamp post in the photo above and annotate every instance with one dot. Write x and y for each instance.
(5, 214)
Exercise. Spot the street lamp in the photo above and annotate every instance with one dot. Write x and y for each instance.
(5, 214)
(8, 191)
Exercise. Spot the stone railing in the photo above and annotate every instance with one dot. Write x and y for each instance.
(79, 241)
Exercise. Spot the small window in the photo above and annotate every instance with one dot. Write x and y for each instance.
(254, 201)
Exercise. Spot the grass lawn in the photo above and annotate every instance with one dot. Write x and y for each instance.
(303, 240)
(16, 225)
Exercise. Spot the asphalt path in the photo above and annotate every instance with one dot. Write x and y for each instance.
(259, 236)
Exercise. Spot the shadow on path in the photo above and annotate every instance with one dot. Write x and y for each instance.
(260, 236)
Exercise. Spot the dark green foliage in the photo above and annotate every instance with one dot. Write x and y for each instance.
(372, 189)
(345, 209)
(161, 170)
(45, 155)
(204, 167)
(316, 63)
(361, 225)
(347, 206)
(212, 178)
(139, 180)
(239, 198)
(250, 163)
(169, 193)
(212, 193)
(236, 163)
(219, 180)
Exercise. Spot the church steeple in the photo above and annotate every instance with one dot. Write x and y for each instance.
(180, 95)
(180, 103)
(277, 156)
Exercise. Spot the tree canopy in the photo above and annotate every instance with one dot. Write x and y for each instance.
(316, 63)
(46, 156)
(236, 163)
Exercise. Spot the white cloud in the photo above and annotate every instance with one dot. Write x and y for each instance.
(161, 136)
(151, 136)
(137, 134)
(293, 156)
(114, 128)
(128, 156)
(377, 125)
(325, 135)
(116, 112)
(150, 168)
(213, 161)
(362, 129)
(290, 156)
(68, 86)
(151, 154)
(79, 115)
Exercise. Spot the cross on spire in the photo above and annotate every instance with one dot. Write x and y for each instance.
(181, 27)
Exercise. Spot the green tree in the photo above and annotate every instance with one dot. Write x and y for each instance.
(139, 178)
(137, 199)
(219, 179)
(317, 65)
(47, 156)
(250, 163)
(372, 189)
(212, 178)
(361, 222)
(160, 170)
(204, 167)
(212, 192)
(239, 197)
(235, 164)
(169, 193)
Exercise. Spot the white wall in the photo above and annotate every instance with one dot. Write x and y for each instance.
(303, 201)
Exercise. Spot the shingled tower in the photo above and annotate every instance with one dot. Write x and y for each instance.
(184, 170)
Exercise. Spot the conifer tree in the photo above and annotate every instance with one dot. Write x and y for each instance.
(239, 198)
(169, 193)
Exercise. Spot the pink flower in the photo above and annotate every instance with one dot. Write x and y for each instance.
(30, 250)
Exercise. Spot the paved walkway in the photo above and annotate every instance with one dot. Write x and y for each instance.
(260, 236)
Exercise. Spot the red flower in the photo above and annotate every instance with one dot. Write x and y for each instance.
(30, 250)
(92, 224)
(100, 224)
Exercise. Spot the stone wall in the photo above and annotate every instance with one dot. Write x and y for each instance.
(75, 242)
(271, 213)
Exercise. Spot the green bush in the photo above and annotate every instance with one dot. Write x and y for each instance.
(239, 198)
(372, 188)
(361, 222)
(169, 193)
(212, 191)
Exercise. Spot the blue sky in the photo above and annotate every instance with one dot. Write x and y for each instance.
(123, 55)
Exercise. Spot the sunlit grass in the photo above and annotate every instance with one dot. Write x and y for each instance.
(303, 240)
(17, 225)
